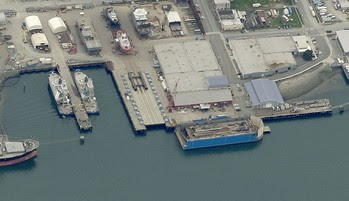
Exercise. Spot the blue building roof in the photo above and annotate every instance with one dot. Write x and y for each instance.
(262, 91)
(217, 81)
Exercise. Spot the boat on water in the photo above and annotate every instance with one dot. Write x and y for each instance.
(60, 93)
(122, 41)
(111, 17)
(86, 90)
(14, 152)
(219, 130)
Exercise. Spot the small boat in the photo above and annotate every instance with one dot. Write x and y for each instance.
(111, 17)
(14, 152)
(122, 41)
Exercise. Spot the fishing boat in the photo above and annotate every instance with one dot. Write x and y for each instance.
(122, 41)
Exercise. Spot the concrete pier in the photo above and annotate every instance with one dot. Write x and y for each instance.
(138, 127)
(63, 69)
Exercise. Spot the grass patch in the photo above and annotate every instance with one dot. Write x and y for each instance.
(278, 21)
(247, 4)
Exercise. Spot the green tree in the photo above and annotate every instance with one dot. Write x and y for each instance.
(308, 55)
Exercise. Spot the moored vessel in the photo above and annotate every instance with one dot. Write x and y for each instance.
(14, 152)
(218, 131)
(122, 41)
(86, 90)
(60, 93)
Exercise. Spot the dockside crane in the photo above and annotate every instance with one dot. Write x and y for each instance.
(172, 94)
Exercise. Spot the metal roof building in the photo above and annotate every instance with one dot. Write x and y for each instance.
(192, 73)
(33, 23)
(264, 93)
(174, 20)
(39, 41)
(173, 17)
(57, 25)
(343, 39)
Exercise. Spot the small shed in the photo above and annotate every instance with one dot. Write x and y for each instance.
(39, 41)
(57, 25)
(3, 19)
(33, 23)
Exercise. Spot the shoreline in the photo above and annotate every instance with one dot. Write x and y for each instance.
(297, 87)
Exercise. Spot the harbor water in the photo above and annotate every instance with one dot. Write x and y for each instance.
(304, 159)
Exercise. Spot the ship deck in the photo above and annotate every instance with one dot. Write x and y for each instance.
(90, 103)
(210, 130)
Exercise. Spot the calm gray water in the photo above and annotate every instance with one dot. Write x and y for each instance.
(301, 160)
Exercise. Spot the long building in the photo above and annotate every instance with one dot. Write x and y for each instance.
(88, 35)
(261, 57)
(192, 73)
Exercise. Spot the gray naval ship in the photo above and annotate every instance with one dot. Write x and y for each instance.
(60, 93)
(86, 90)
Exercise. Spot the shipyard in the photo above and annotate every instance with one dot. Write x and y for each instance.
(173, 64)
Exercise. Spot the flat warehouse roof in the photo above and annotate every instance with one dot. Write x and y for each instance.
(185, 57)
(343, 38)
(263, 54)
(187, 67)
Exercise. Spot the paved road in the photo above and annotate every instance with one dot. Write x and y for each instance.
(210, 22)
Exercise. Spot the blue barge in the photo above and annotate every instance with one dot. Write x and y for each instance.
(218, 131)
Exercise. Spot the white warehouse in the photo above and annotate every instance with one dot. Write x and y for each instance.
(33, 24)
(57, 25)
(39, 41)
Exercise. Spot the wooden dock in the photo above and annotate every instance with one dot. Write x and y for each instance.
(297, 110)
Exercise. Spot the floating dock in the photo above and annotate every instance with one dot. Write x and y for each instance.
(218, 131)
(297, 110)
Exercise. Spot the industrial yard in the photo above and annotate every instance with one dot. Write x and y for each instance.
(131, 99)
(166, 72)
